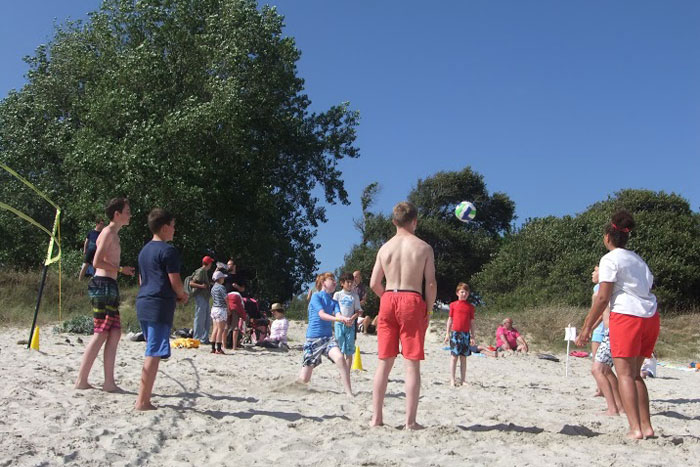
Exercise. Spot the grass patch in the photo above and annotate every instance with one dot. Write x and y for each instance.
(542, 327)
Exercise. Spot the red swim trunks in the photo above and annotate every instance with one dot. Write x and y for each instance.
(403, 316)
(632, 336)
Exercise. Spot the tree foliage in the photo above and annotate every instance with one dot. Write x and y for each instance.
(460, 249)
(194, 106)
(549, 260)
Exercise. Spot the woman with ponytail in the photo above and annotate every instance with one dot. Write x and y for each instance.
(625, 284)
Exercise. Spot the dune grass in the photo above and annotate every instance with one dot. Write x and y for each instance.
(543, 327)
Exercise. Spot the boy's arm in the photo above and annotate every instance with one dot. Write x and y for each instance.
(326, 317)
(85, 246)
(600, 303)
(430, 281)
(448, 328)
(176, 284)
(375, 281)
(99, 262)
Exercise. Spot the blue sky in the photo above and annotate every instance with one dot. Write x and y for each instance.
(558, 104)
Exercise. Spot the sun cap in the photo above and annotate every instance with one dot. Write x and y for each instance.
(218, 275)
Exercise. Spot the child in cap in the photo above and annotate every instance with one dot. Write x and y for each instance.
(219, 312)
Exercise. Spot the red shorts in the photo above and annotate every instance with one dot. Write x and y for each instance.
(403, 316)
(632, 336)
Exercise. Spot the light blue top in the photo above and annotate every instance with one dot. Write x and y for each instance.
(318, 327)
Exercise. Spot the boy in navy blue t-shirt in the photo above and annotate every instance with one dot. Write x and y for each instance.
(160, 289)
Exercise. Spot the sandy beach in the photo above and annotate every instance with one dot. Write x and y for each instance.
(245, 409)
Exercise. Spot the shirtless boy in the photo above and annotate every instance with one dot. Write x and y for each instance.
(405, 261)
(104, 296)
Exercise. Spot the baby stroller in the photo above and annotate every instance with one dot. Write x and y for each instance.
(257, 325)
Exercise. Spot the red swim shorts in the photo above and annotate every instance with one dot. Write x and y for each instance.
(403, 316)
(632, 336)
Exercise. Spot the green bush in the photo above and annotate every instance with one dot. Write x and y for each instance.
(548, 261)
(79, 324)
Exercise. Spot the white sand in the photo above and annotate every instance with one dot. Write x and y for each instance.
(243, 409)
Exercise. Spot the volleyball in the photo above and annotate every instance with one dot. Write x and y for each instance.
(465, 211)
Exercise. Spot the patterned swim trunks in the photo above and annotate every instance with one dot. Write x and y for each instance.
(603, 355)
(459, 343)
(317, 347)
(104, 297)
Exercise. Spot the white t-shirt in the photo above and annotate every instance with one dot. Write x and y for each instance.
(632, 281)
(349, 302)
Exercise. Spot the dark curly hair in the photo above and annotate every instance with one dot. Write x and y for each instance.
(619, 228)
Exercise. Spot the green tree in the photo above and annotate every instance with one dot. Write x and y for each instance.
(460, 249)
(549, 260)
(194, 106)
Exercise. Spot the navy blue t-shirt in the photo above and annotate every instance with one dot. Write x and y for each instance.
(92, 237)
(156, 298)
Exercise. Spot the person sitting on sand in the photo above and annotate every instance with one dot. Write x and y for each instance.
(489, 350)
(508, 339)
(649, 367)
(278, 331)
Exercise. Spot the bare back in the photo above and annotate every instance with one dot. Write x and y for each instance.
(108, 253)
(405, 261)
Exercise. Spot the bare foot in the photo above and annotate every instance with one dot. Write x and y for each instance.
(610, 413)
(414, 426)
(375, 423)
(111, 388)
(453, 383)
(84, 385)
(145, 407)
(598, 394)
(648, 433)
(634, 434)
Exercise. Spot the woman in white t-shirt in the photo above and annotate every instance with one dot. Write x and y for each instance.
(625, 284)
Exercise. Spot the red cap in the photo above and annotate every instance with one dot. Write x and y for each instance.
(207, 260)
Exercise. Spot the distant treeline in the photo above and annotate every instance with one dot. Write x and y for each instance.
(547, 261)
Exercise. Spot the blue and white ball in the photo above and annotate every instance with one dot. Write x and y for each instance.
(465, 211)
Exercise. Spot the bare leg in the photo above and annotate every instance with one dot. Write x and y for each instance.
(627, 374)
(235, 339)
(412, 393)
(463, 368)
(643, 401)
(600, 373)
(381, 379)
(615, 390)
(110, 356)
(348, 364)
(91, 352)
(339, 359)
(305, 374)
(594, 349)
(148, 377)
(453, 370)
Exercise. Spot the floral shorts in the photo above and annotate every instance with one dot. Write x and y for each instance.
(315, 348)
(219, 313)
(603, 355)
(459, 343)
